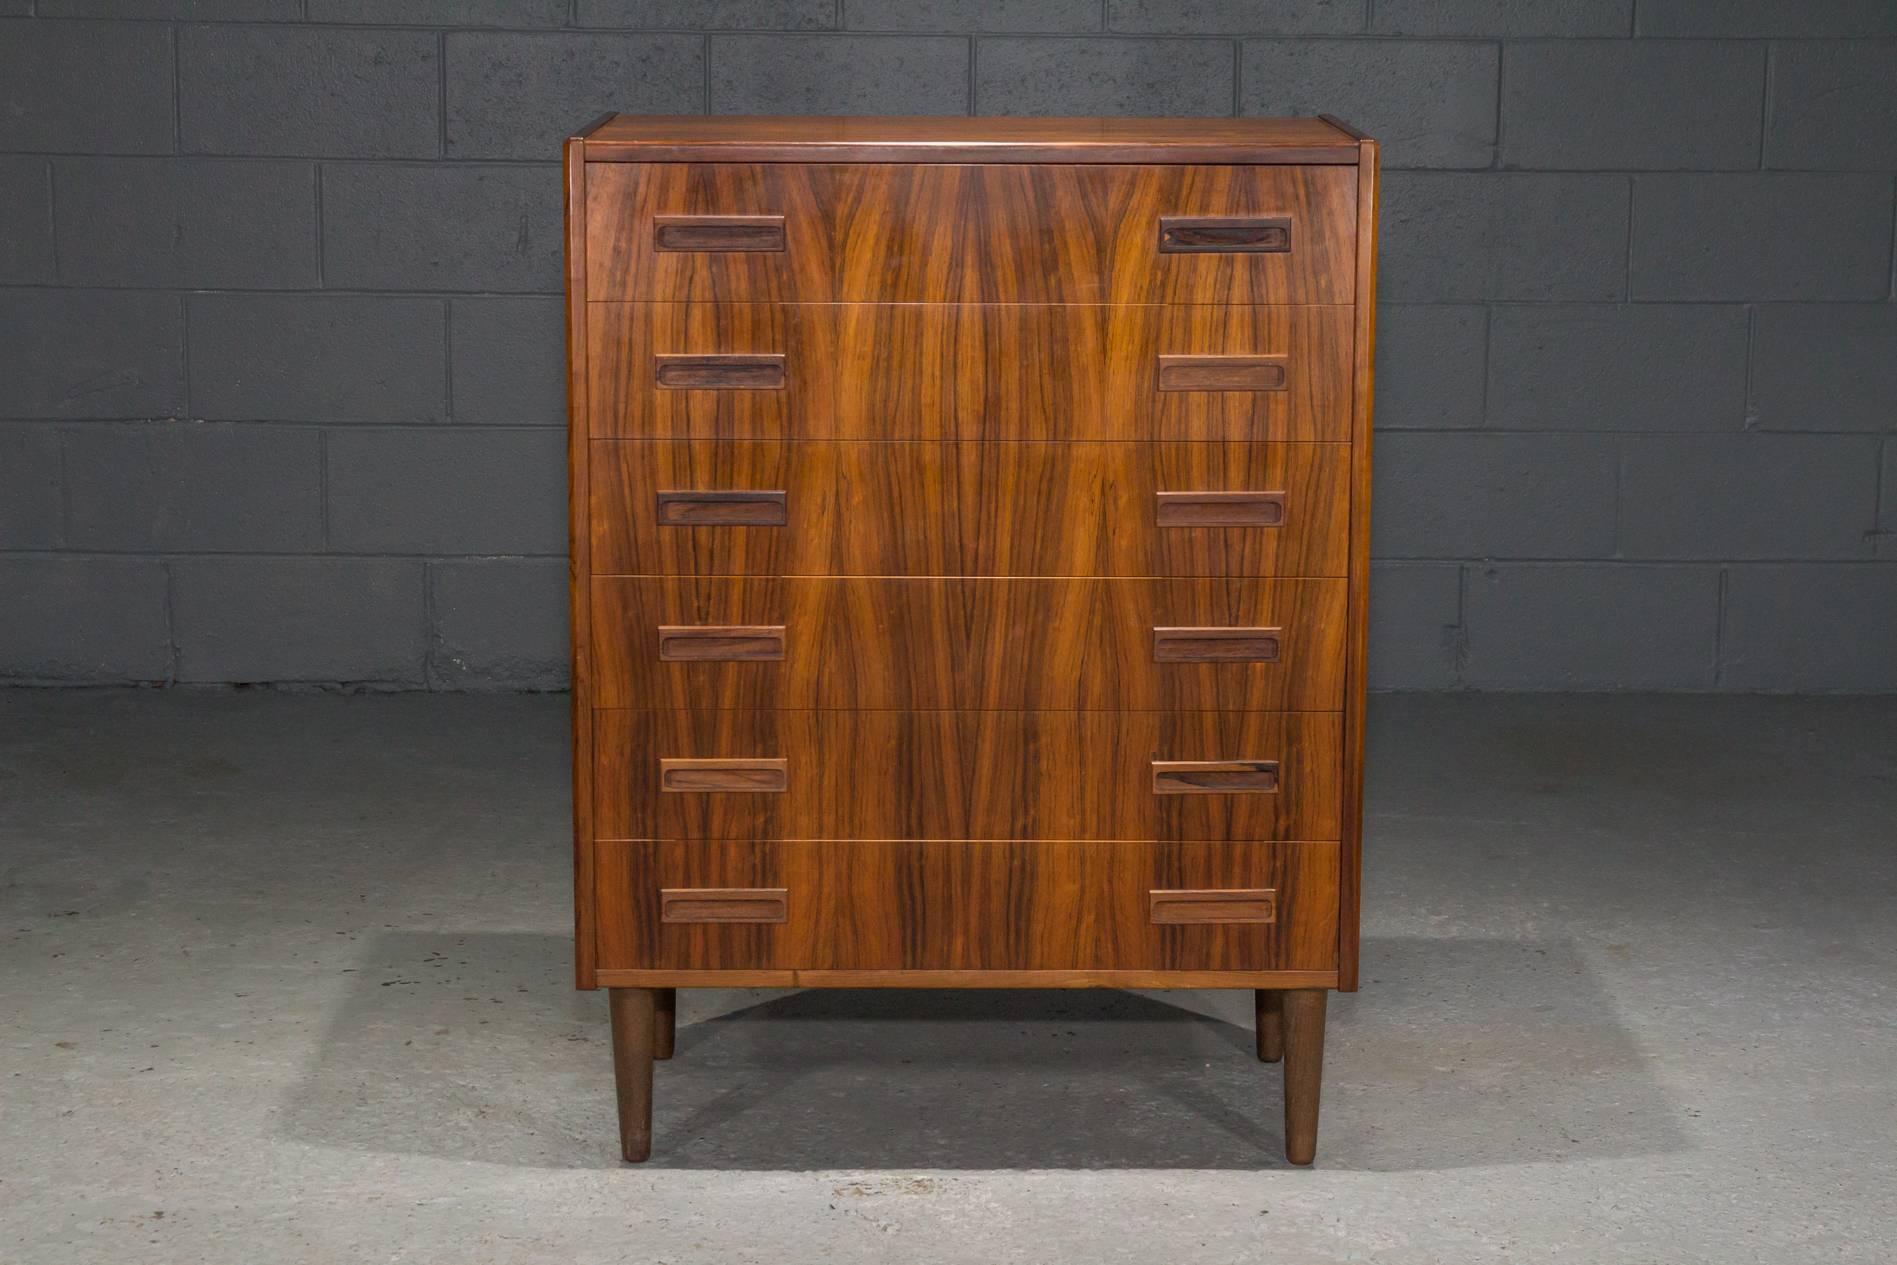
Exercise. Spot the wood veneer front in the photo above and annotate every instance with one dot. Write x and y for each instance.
(970, 548)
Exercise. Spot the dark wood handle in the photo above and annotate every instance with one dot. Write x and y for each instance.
(689, 643)
(1246, 904)
(720, 373)
(693, 776)
(1214, 777)
(723, 904)
(1221, 509)
(698, 233)
(1224, 234)
(1216, 645)
(722, 509)
(1222, 373)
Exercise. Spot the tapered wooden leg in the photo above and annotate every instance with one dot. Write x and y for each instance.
(665, 1031)
(1303, 1069)
(1270, 1025)
(633, 1040)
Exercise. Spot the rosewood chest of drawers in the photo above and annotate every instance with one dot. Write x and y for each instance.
(969, 538)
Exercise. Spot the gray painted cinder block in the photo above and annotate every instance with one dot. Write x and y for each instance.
(1415, 625)
(26, 221)
(1590, 627)
(509, 361)
(1887, 512)
(1451, 237)
(1769, 235)
(1617, 367)
(459, 227)
(1748, 496)
(1236, 17)
(839, 74)
(1516, 19)
(157, 222)
(1430, 360)
(90, 353)
(1816, 628)
(441, 12)
(1760, 18)
(500, 624)
(453, 490)
(1428, 103)
(349, 620)
(51, 80)
(30, 498)
(185, 10)
(519, 95)
(1672, 105)
(1821, 366)
(310, 357)
(1446, 495)
(710, 15)
(1103, 76)
(1018, 16)
(308, 92)
(1833, 105)
(83, 620)
(183, 486)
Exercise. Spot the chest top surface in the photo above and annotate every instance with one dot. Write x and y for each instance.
(916, 139)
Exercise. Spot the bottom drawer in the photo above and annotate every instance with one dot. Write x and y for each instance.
(878, 905)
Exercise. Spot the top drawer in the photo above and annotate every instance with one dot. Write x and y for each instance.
(1009, 233)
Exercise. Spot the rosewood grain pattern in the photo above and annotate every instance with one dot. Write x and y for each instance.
(631, 345)
(718, 373)
(632, 207)
(1218, 905)
(1219, 234)
(1215, 777)
(723, 904)
(718, 233)
(1217, 645)
(720, 508)
(1358, 647)
(972, 233)
(987, 644)
(720, 643)
(723, 776)
(953, 905)
(579, 552)
(1311, 343)
(1222, 373)
(795, 139)
(963, 775)
(972, 509)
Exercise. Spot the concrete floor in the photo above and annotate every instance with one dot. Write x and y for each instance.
(285, 978)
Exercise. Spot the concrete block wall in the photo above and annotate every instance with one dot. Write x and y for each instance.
(281, 392)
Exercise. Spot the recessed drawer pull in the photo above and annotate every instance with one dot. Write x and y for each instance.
(1214, 777)
(1248, 904)
(1222, 373)
(722, 509)
(693, 776)
(1224, 235)
(723, 904)
(1216, 645)
(1221, 509)
(720, 642)
(720, 373)
(704, 233)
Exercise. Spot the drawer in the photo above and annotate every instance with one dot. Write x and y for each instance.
(966, 775)
(977, 644)
(1007, 233)
(819, 507)
(969, 371)
(960, 905)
